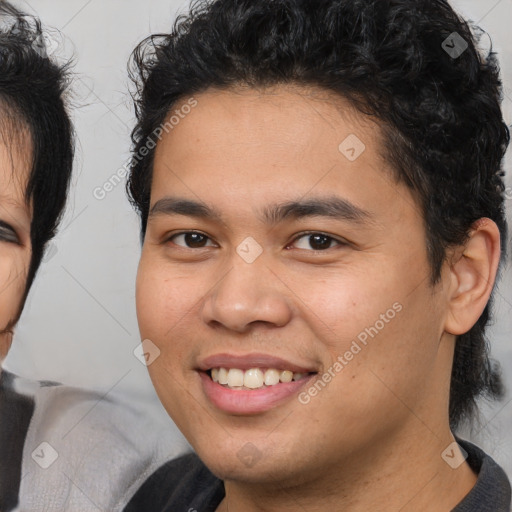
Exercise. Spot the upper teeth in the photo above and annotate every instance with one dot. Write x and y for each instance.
(253, 378)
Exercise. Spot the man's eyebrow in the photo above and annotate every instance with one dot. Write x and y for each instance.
(186, 207)
(331, 206)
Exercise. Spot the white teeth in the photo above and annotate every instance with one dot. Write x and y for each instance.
(271, 377)
(223, 376)
(235, 378)
(253, 378)
(286, 376)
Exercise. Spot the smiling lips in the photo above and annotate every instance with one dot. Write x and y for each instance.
(251, 384)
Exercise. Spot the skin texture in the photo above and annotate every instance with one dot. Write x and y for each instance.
(15, 246)
(372, 438)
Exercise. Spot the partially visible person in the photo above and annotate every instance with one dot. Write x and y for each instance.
(61, 448)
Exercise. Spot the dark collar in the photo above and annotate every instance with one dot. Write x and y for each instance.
(15, 414)
(492, 492)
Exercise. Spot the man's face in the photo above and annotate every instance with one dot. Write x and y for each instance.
(15, 246)
(344, 298)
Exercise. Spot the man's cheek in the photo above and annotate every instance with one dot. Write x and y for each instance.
(154, 300)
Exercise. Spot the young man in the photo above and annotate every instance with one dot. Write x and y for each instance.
(322, 206)
(61, 448)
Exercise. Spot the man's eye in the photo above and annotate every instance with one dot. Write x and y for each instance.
(317, 241)
(191, 239)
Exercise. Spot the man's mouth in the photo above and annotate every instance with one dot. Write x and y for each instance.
(248, 384)
(253, 378)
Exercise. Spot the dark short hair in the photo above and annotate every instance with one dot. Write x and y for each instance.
(403, 62)
(32, 87)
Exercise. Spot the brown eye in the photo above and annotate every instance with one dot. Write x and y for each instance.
(317, 241)
(191, 239)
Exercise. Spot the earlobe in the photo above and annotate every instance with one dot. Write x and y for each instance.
(473, 274)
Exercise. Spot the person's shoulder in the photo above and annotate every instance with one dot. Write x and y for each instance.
(86, 446)
(180, 484)
(492, 491)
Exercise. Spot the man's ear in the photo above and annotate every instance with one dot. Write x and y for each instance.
(472, 275)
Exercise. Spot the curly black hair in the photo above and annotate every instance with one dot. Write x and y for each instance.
(32, 90)
(411, 64)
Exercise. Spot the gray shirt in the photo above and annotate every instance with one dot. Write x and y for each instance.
(64, 448)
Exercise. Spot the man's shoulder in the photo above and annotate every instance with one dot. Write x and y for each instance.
(183, 483)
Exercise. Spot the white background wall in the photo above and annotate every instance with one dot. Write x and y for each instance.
(79, 326)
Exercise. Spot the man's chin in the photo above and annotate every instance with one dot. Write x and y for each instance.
(232, 471)
(248, 463)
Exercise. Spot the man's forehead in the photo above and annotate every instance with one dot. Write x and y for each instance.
(204, 157)
(325, 103)
(221, 128)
